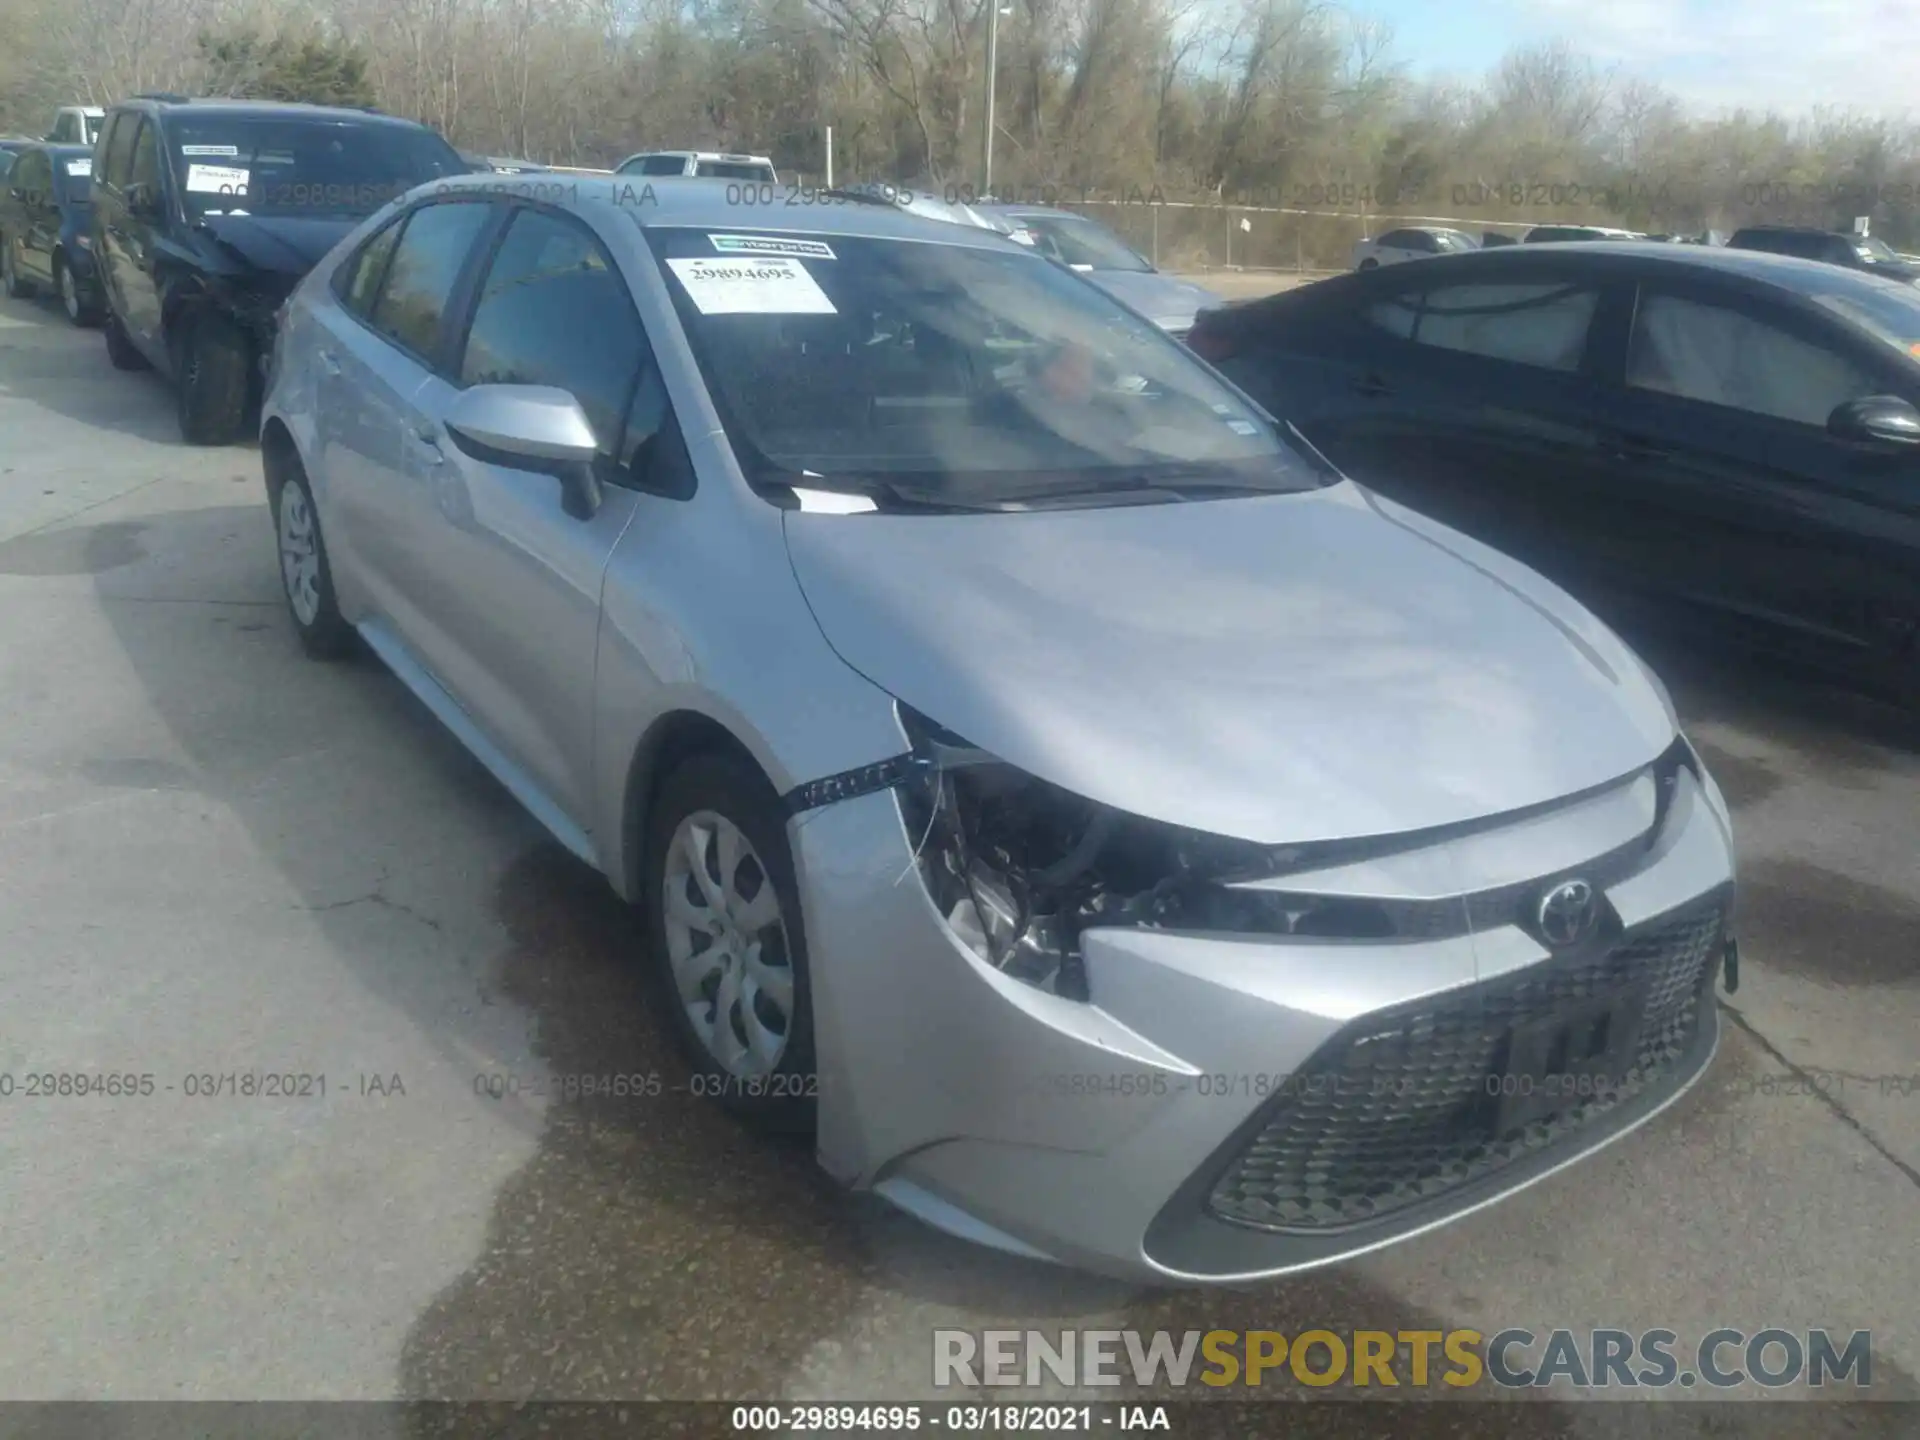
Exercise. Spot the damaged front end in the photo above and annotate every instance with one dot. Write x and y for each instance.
(1020, 868)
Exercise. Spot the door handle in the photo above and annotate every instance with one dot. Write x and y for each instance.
(1371, 386)
(329, 362)
(429, 442)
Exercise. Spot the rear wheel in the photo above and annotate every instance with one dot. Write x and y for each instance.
(120, 350)
(305, 574)
(723, 914)
(210, 377)
(15, 286)
(1369, 264)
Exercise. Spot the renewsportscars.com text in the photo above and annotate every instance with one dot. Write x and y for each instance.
(1772, 1358)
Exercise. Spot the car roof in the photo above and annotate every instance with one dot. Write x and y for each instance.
(662, 201)
(1601, 258)
(282, 109)
(697, 155)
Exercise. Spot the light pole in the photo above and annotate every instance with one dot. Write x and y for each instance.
(994, 11)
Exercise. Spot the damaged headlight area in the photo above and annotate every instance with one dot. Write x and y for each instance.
(1021, 868)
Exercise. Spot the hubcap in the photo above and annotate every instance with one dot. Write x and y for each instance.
(727, 945)
(299, 553)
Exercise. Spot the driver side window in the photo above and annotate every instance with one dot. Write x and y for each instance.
(1719, 355)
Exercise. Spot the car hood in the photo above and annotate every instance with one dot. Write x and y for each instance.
(1281, 669)
(282, 245)
(1894, 270)
(1168, 302)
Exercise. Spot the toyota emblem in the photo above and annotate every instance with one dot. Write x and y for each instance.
(1568, 913)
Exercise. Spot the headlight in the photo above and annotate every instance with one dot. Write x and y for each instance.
(1020, 867)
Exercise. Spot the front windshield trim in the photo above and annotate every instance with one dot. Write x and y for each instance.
(966, 427)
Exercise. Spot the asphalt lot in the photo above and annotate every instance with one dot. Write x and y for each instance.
(218, 857)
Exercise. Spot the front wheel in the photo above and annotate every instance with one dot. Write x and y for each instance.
(305, 574)
(1369, 264)
(212, 365)
(81, 310)
(724, 918)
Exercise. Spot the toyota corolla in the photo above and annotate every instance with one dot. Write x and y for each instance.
(1116, 836)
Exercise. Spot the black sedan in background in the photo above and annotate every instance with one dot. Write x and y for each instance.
(1716, 437)
(45, 218)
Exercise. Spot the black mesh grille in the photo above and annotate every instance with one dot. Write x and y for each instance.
(1401, 1107)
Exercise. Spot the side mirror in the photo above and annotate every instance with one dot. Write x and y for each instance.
(531, 427)
(1886, 419)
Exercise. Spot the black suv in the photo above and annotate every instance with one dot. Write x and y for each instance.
(1856, 252)
(208, 212)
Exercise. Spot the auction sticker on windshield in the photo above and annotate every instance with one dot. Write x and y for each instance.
(216, 179)
(770, 245)
(751, 287)
(209, 149)
(80, 167)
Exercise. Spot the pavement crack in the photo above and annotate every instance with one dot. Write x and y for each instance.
(1806, 1073)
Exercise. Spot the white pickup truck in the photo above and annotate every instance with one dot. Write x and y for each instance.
(76, 125)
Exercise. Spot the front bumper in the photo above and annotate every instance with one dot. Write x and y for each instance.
(1165, 1129)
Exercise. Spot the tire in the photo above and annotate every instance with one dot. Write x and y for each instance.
(83, 312)
(10, 280)
(211, 374)
(1369, 264)
(306, 576)
(120, 350)
(763, 964)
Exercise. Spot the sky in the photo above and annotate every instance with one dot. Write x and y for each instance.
(1786, 55)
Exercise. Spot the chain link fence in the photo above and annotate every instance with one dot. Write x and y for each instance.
(1197, 236)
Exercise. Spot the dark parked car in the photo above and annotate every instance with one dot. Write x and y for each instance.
(46, 225)
(1683, 432)
(1856, 252)
(208, 212)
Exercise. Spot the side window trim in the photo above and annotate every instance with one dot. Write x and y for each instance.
(435, 365)
(339, 283)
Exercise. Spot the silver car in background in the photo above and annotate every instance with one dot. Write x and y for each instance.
(1117, 837)
(1088, 247)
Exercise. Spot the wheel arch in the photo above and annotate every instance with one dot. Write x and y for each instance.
(279, 454)
(668, 742)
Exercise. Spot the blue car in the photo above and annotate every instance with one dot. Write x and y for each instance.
(45, 224)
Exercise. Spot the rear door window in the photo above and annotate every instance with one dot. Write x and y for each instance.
(357, 282)
(1540, 324)
(426, 264)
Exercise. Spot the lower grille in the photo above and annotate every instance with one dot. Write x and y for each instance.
(1405, 1106)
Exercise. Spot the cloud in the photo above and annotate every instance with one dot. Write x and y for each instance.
(1785, 55)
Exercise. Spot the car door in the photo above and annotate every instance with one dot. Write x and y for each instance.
(140, 229)
(29, 197)
(512, 579)
(1798, 538)
(374, 350)
(1473, 401)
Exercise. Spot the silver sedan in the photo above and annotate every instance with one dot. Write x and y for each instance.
(1114, 835)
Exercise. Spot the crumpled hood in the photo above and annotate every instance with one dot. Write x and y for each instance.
(1161, 298)
(282, 245)
(1282, 669)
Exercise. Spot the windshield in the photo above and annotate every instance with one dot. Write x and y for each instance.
(1074, 241)
(1455, 240)
(265, 165)
(1885, 309)
(73, 178)
(952, 375)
